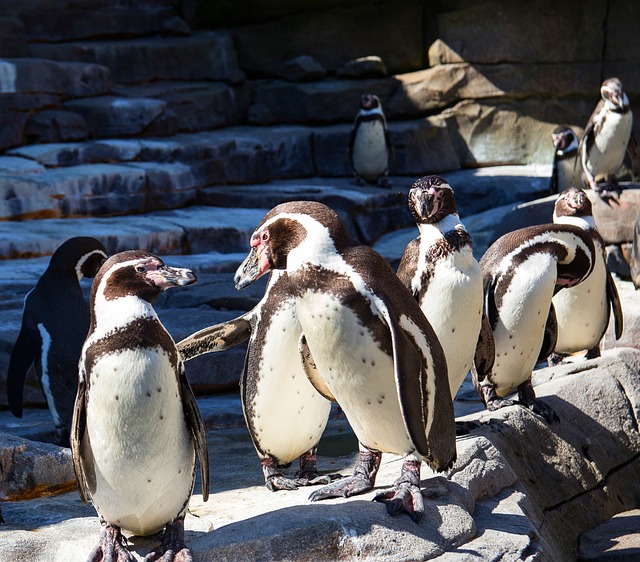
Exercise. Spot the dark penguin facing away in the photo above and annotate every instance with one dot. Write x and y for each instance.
(136, 427)
(521, 272)
(285, 414)
(565, 170)
(370, 143)
(55, 322)
(582, 312)
(606, 136)
(366, 345)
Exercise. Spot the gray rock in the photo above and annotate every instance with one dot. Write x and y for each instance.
(14, 43)
(15, 165)
(363, 67)
(56, 126)
(302, 69)
(176, 27)
(616, 540)
(616, 216)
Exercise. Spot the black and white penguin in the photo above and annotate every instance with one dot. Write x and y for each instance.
(370, 143)
(606, 136)
(285, 414)
(582, 312)
(521, 272)
(565, 170)
(136, 425)
(55, 322)
(365, 344)
(441, 272)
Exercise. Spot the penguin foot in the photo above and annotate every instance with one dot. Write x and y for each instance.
(281, 482)
(555, 359)
(593, 353)
(543, 410)
(111, 546)
(497, 403)
(362, 480)
(405, 494)
(308, 473)
(172, 548)
(383, 181)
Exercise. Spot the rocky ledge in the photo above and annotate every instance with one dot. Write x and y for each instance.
(520, 489)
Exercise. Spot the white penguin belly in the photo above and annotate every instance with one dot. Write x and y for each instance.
(582, 311)
(610, 145)
(522, 319)
(453, 306)
(143, 457)
(357, 372)
(288, 414)
(370, 157)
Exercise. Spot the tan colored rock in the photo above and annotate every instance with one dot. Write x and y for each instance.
(616, 216)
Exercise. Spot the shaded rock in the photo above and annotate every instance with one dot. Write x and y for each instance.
(14, 42)
(302, 69)
(616, 540)
(56, 126)
(617, 261)
(176, 27)
(15, 165)
(363, 67)
(630, 299)
(616, 216)
(634, 260)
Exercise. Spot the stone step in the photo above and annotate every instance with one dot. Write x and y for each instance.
(207, 55)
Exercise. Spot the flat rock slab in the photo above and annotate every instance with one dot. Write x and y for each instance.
(616, 540)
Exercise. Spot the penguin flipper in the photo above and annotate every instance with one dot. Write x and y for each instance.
(25, 351)
(310, 369)
(616, 305)
(550, 335)
(78, 425)
(409, 263)
(216, 338)
(485, 354)
(196, 428)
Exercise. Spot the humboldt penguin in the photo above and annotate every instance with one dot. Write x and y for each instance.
(582, 312)
(441, 272)
(136, 426)
(521, 272)
(55, 322)
(366, 344)
(285, 414)
(565, 170)
(370, 143)
(606, 136)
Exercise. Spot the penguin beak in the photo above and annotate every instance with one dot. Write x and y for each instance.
(165, 277)
(254, 266)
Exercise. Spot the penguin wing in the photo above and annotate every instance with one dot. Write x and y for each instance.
(485, 354)
(78, 425)
(310, 369)
(197, 429)
(616, 305)
(553, 181)
(550, 335)
(25, 351)
(409, 264)
(591, 130)
(216, 338)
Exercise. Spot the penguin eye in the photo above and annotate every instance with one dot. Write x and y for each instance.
(140, 268)
(265, 236)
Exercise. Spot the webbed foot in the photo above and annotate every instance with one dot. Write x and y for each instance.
(362, 480)
(172, 548)
(543, 410)
(498, 403)
(111, 546)
(555, 359)
(308, 473)
(405, 494)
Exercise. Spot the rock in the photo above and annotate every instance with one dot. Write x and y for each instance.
(630, 299)
(15, 165)
(176, 27)
(56, 126)
(363, 67)
(14, 43)
(302, 69)
(617, 262)
(634, 261)
(616, 540)
(616, 216)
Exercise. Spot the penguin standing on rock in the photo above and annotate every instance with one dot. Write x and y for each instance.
(55, 322)
(606, 136)
(365, 344)
(370, 143)
(285, 414)
(565, 169)
(136, 425)
(441, 272)
(582, 312)
(521, 272)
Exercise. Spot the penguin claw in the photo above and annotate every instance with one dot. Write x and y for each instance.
(401, 497)
(498, 403)
(110, 547)
(279, 482)
(172, 548)
(343, 488)
(543, 410)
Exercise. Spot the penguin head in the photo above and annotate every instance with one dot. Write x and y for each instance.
(572, 202)
(613, 94)
(81, 256)
(431, 199)
(369, 101)
(140, 274)
(307, 226)
(564, 140)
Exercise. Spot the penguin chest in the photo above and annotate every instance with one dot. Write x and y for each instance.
(610, 144)
(523, 304)
(285, 414)
(453, 305)
(357, 368)
(582, 311)
(370, 157)
(137, 452)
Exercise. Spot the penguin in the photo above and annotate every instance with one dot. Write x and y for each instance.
(606, 136)
(55, 322)
(521, 272)
(136, 426)
(285, 414)
(565, 170)
(439, 269)
(370, 143)
(365, 344)
(582, 312)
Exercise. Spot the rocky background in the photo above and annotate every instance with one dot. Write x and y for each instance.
(175, 125)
